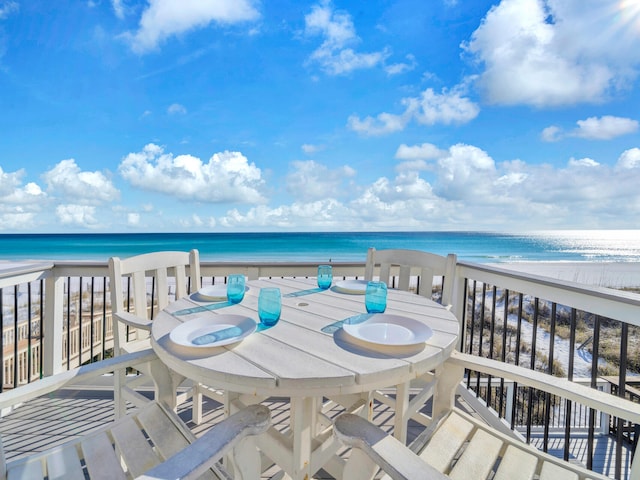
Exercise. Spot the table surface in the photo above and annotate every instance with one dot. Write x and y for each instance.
(296, 358)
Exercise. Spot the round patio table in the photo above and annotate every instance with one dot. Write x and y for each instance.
(306, 357)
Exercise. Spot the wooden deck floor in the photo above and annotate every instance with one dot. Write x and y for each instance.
(67, 414)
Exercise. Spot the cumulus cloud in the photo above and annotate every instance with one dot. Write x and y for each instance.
(68, 181)
(382, 124)
(630, 159)
(165, 18)
(12, 192)
(17, 221)
(605, 128)
(176, 109)
(334, 55)
(550, 52)
(465, 187)
(310, 180)
(429, 108)
(78, 215)
(593, 128)
(226, 177)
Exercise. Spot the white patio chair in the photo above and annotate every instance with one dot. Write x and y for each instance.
(150, 443)
(431, 268)
(428, 266)
(459, 446)
(133, 311)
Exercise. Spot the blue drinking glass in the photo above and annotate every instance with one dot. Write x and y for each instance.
(235, 288)
(325, 276)
(269, 306)
(375, 297)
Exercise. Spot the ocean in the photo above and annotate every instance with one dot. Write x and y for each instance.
(480, 247)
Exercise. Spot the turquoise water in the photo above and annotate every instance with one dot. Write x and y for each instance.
(597, 245)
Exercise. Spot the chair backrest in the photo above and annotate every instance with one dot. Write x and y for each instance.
(428, 265)
(132, 274)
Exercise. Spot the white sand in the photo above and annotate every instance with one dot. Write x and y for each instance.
(601, 274)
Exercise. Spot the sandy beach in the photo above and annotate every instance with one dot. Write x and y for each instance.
(601, 274)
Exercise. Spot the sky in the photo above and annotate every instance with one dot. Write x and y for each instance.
(295, 115)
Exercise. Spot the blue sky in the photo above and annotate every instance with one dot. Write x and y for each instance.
(241, 115)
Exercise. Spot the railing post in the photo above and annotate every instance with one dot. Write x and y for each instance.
(458, 299)
(508, 412)
(53, 325)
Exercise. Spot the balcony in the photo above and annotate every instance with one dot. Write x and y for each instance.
(57, 316)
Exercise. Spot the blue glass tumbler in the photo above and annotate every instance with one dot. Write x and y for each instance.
(235, 288)
(375, 297)
(269, 306)
(325, 276)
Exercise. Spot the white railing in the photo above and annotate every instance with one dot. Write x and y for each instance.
(71, 329)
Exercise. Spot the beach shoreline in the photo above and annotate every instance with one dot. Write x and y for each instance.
(601, 274)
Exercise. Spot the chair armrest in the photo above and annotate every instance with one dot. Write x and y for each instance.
(393, 457)
(605, 402)
(194, 460)
(55, 382)
(132, 320)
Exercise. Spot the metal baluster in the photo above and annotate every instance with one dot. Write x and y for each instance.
(91, 327)
(15, 336)
(594, 377)
(568, 403)
(622, 381)
(503, 354)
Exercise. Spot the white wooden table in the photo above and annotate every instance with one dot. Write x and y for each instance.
(298, 360)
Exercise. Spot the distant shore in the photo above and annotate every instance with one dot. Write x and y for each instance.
(601, 274)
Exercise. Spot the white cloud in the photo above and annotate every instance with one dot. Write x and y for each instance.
(383, 124)
(17, 221)
(133, 219)
(593, 128)
(310, 149)
(402, 67)
(79, 215)
(551, 52)
(426, 151)
(118, 8)
(13, 193)
(334, 55)
(227, 177)
(310, 180)
(605, 128)
(176, 109)
(430, 108)
(466, 188)
(166, 18)
(551, 134)
(447, 108)
(583, 162)
(7, 8)
(67, 180)
(630, 159)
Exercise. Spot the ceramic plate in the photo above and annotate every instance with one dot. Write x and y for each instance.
(213, 293)
(213, 332)
(385, 329)
(354, 287)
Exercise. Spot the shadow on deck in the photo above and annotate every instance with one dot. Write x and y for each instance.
(57, 418)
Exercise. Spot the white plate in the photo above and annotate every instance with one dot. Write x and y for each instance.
(223, 330)
(213, 293)
(386, 329)
(354, 287)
